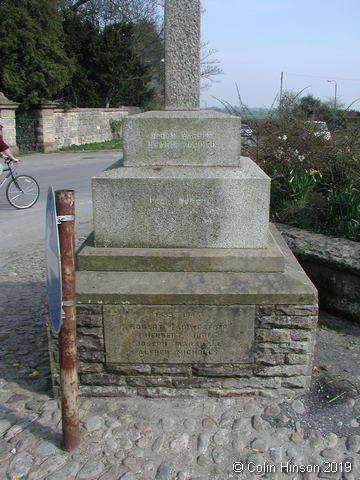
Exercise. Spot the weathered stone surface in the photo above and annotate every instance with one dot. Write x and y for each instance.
(106, 391)
(223, 371)
(273, 335)
(284, 370)
(178, 334)
(205, 138)
(150, 381)
(128, 369)
(294, 358)
(182, 207)
(333, 264)
(178, 288)
(20, 465)
(301, 310)
(253, 382)
(92, 423)
(89, 316)
(90, 258)
(182, 54)
(270, 358)
(289, 321)
(102, 379)
(296, 382)
(171, 370)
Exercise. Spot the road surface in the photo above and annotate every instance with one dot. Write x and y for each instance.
(20, 229)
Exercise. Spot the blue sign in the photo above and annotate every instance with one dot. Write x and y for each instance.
(53, 263)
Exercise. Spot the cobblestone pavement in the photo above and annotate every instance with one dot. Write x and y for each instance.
(167, 439)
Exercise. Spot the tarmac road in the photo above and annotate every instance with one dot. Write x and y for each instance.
(19, 228)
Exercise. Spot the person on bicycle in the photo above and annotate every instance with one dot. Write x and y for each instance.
(4, 148)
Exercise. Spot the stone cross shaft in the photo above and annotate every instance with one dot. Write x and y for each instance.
(182, 54)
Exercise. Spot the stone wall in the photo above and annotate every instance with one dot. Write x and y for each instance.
(86, 125)
(7, 120)
(284, 344)
(333, 264)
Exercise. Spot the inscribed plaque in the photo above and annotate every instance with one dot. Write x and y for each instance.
(179, 334)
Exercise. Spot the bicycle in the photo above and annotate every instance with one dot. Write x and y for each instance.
(23, 190)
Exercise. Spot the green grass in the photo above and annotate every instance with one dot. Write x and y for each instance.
(115, 144)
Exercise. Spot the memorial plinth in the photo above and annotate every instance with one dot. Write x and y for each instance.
(191, 207)
(198, 138)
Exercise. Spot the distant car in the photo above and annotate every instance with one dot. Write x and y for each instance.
(319, 129)
(246, 131)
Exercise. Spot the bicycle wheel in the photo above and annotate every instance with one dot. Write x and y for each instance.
(23, 191)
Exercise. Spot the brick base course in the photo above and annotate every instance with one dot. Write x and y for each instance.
(284, 344)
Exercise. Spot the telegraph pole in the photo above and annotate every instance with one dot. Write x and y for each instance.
(281, 87)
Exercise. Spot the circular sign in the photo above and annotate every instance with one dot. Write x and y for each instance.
(53, 263)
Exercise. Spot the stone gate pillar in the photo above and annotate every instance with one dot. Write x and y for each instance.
(44, 113)
(7, 120)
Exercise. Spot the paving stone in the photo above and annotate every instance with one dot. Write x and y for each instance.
(203, 442)
(331, 440)
(297, 438)
(218, 455)
(221, 437)
(272, 411)
(138, 452)
(142, 442)
(167, 424)
(181, 476)
(20, 465)
(203, 460)
(353, 443)
(4, 426)
(208, 423)
(112, 445)
(111, 474)
(44, 449)
(123, 440)
(47, 467)
(330, 453)
(316, 440)
(131, 462)
(157, 445)
(92, 423)
(128, 476)
(298, 406)
(276, 454)
(255, 458)
(91, 470)
(238, 444)
(180, 443)
(35, 405)
(190, 424)
(164, 471)
(258, 423)
(259, 444)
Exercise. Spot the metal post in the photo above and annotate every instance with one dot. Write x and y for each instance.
(65, 207)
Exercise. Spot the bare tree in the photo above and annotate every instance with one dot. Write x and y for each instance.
(111, 11)
(209, 67)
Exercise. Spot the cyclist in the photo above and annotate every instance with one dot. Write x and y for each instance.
(4, 148)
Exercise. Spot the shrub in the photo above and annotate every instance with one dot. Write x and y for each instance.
(315, 182)
(116, 128)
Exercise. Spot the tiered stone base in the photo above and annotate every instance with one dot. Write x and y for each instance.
(175, 333)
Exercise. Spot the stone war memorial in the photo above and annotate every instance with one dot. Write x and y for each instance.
(184, 288)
